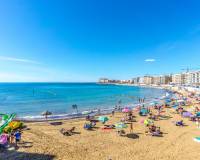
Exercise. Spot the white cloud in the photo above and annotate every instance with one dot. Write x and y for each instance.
(5, 58)
(149, 60)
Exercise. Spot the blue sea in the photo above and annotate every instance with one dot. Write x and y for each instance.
(30, 99)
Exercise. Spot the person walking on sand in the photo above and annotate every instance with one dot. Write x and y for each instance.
(131, 127)
(113, 113)
(17, 135)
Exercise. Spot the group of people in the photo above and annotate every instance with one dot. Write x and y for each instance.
(154, 130)
(128, 118)
(14, 137)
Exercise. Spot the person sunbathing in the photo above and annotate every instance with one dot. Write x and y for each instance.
(123, 119)
(154, 131)
(90, 125)
(67, 132)
(109, 126)
(152, 128)
(157, 132)
(89, 118)
(153, 117)
(179, 123)
(130, 118)
(121, 132)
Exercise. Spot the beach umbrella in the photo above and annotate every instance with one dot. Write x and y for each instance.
(143, 111)
(5, 117)
(187, 114)
(180, 100)
(126, 110)
(86, 112)
(198, 114)
(152, 104)
(148, 122)
(46, 113)
(121, 125)
(5, 122)
(103, 119)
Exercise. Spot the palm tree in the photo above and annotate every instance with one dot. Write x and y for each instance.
(75, 107)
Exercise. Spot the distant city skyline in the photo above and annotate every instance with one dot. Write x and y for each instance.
(81, 41)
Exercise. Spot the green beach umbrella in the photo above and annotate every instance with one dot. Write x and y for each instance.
(103, 119)
(6, 121)
(121, 125)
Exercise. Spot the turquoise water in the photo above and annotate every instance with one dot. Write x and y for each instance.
(30, 99)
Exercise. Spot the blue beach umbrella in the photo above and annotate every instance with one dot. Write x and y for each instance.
(167, 100)
(198, 114)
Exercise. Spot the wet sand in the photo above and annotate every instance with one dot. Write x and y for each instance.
(44, 141)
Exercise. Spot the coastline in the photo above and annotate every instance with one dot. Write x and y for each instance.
(45, 139)
(104, 111)
(93, 112)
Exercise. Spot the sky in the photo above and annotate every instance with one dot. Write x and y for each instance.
(83, 40)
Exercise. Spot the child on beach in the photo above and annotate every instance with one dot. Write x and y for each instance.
(17, 135)
(11, 137)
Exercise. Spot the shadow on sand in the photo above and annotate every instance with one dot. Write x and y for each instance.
(15, 155)
(132, 136)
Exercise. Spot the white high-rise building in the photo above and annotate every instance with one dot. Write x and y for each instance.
(195, 78)
(180, 78)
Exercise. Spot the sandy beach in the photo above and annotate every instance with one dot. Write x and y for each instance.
(44, 141)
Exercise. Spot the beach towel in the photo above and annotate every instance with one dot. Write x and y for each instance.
(3, 139)
(197, 139)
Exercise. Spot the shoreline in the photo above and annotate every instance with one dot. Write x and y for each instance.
(94, 112)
